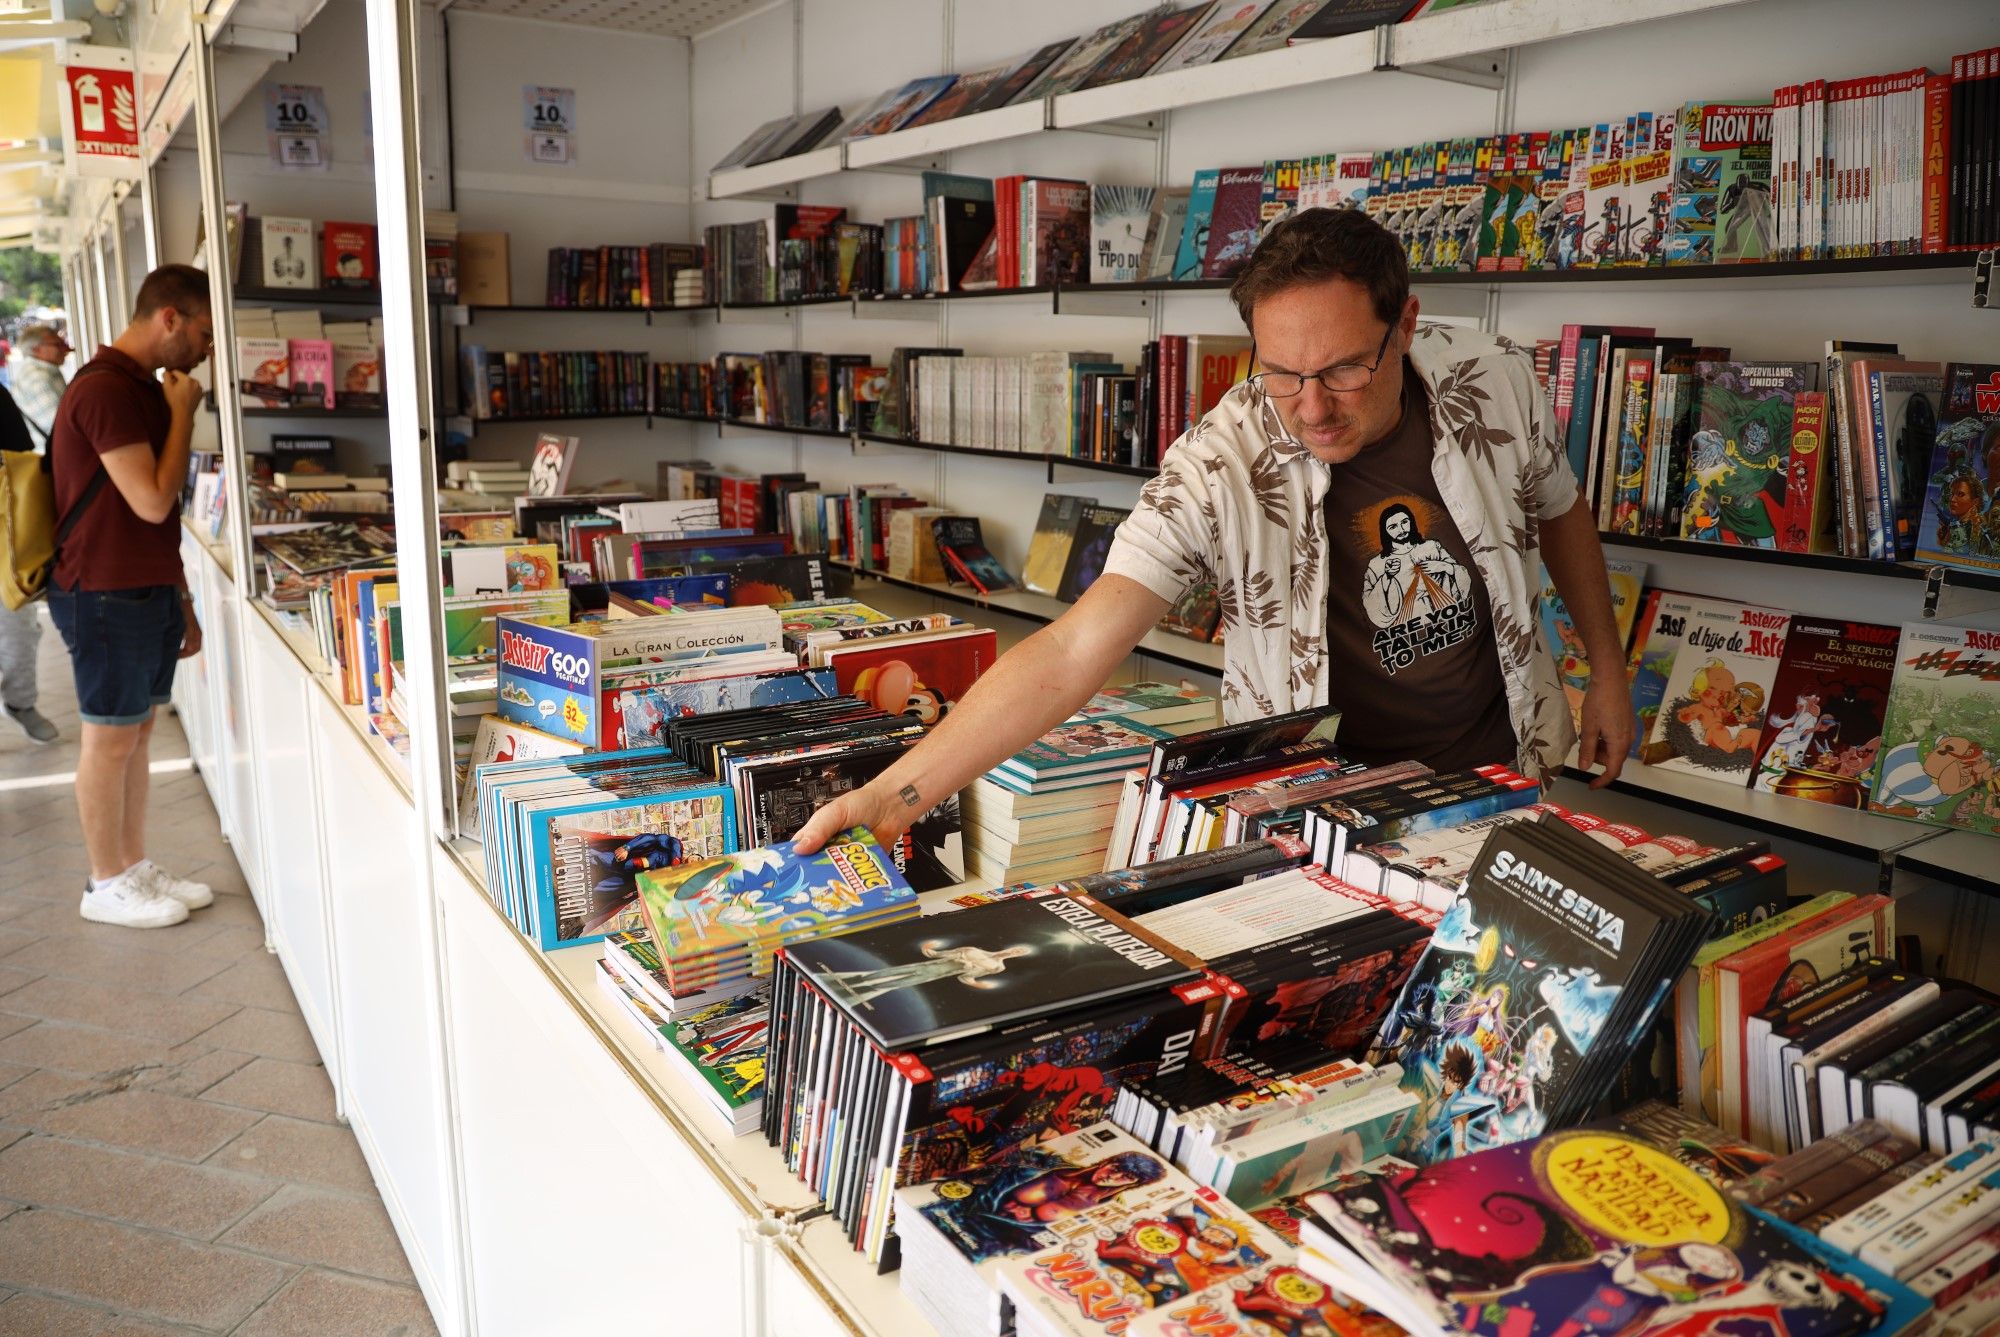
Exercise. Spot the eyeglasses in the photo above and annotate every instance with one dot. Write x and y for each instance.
(1341, 376)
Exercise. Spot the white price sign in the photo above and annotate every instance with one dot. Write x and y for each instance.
(296, 127)
(550, 117)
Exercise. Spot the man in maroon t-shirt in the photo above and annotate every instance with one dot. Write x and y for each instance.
(120, 455)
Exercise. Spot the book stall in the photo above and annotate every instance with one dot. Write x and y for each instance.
(557, 565)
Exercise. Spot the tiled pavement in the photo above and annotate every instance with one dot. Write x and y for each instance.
(169, 1157)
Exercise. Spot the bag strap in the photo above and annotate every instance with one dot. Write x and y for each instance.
(96, 483)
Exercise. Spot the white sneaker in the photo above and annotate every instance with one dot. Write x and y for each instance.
(129, 901)
(194, 895)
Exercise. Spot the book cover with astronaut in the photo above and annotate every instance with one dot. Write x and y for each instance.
(1941, 731)
(1585, 1232)
(916, 982)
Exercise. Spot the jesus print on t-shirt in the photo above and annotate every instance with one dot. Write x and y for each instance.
(1415, 592)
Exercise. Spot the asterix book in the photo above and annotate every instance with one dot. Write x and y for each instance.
(718, 913)
(1136, 1261)
(1560, 634)
(1823, 723)
(1722, 209)
(1941, 732)
(1711, 720)
(722, 1047)
(1961, 509)
(1735, 486)
(915, 982)
(1540, 980)
(1608, 1230)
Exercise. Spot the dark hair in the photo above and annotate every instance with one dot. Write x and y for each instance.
(1457, 1065)
(1321, 244)
(182, 287)
(1382, 524)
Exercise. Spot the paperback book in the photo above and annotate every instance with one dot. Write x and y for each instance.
(1941, 730)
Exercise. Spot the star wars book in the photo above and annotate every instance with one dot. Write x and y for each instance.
(917, 983)
(1712, 710)
(1960, 525)
(1540, 980)
(1941, 730)
(1586, 1232)
(1735, 483)
(1823, 723)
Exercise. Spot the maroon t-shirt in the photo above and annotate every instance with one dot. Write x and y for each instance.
(111, 402)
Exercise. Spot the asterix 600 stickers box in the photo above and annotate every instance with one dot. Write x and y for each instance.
(555, 678)
(1941, 733)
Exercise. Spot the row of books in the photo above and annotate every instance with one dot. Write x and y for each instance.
(297, 253)
(662, 274)
(526, 384)
(802, 252)
(1867, 454)
(295, 359)
(1153, 42)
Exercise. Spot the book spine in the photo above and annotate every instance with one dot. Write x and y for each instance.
(1805, 483)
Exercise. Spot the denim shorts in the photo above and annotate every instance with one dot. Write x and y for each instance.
(123, 645)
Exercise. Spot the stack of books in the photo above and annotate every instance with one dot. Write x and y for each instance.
(716, 922)
(717, 1047)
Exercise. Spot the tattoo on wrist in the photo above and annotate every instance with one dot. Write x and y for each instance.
(909, 795)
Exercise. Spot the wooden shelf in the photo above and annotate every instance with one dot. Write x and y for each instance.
(1817, 561)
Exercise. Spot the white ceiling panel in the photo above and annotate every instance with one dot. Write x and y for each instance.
(657, 18)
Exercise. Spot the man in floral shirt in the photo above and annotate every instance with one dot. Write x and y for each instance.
(1373, 507)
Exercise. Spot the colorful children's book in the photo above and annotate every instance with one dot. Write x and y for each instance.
(1961, 508)
(585, 859)
(1711, 717)
(1559, 632)
(1579, 1224)
(1823, 723)
(1941, 731)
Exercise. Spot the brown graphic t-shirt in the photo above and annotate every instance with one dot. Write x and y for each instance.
(1412, 662)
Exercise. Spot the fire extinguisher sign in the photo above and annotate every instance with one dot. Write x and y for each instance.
(101, 113)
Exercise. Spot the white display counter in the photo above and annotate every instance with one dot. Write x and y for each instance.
(552, 1133)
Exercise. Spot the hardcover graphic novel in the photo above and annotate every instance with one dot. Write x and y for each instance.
(1089, 550)
(924, 679)
(985, 966)
(1711, 720)
(1735, 491)
(1235, 222)
(1823, 724)
(1560, 635)
(1606, 1230)
(1961, 507)
(1941, 731)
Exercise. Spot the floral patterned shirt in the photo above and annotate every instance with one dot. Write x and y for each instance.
(1238, 502)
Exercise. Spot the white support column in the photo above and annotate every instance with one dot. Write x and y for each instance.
(395, 85)
(103, 315)
(222, 312)
(149, 216)
(121, 283)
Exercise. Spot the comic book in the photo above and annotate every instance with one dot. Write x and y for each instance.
(1532, 992)
(744, 905)
(1235, 223)
(586, 863)
(646, 710)
(1559, 632)
(1941, 731)
(722, 1046)
(1823, 723)
(502, 740)
(1961, 506)
(1711, 716)
(1735, 486)
(1608, 1230)
(1277, 1298)
(1192, 248)
(1652, 660)
(1722, 210)
(922, 678)
(1136, 1260)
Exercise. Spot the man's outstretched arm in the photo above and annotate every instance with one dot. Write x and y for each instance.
(1028, 691)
